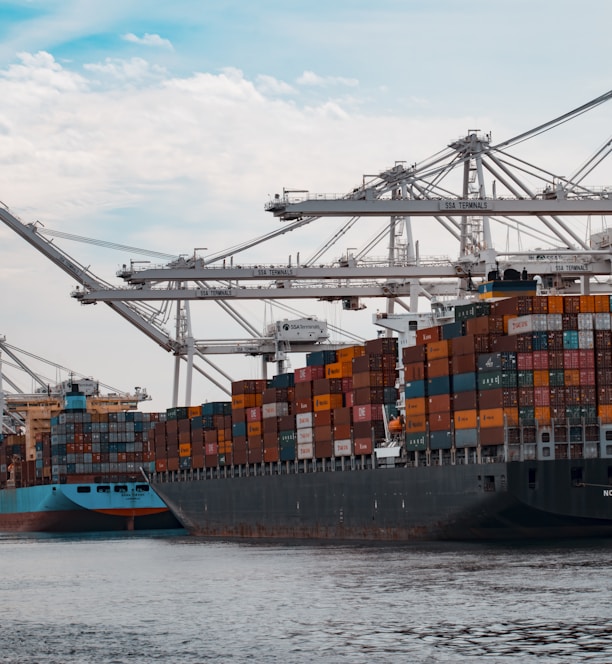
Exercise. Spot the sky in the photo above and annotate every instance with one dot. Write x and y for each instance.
(168, 126)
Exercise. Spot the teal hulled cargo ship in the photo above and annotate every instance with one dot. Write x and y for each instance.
(504, 432)
(80, 472)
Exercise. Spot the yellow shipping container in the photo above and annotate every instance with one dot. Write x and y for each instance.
(466, 419)
(491, 417)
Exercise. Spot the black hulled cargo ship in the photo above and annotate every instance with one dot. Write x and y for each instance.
(497, 425)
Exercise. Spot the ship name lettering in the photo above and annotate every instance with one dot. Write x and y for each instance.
(607, 493)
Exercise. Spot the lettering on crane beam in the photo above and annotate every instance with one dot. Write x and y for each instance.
(572, 267)
(274, 272)
(214, 292)
(466, 205)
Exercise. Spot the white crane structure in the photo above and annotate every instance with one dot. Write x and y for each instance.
(466, 193)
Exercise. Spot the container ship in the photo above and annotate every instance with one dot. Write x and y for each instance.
(79, 471)
(496, 424)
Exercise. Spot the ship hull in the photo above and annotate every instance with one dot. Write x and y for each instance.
(83, 508)
(490, 501)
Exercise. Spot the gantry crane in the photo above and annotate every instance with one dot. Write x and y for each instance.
(450, 190)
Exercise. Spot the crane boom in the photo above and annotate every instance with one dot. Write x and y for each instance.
(84, 277)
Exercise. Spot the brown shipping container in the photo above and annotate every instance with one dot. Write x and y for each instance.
(439, 404)
(412, 354)
(439, 421)
(465, 400)
(463, 363)
(343, 415)
(492, 436)
(414, 371)
(342, 431)
(436, 368)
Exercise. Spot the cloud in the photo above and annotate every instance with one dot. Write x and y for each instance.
(309, 78)
(273, 86)
(148, 40)
(134, 69)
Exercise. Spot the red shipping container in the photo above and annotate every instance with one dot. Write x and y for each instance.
(253, 414)
(363, 446)
(428, 334)
(323, 433)
(571, 359)
(342, 431)
(303, 391)
(541, 396)
(367, 412)
(524, 361)
(540, 360)
(586, 359)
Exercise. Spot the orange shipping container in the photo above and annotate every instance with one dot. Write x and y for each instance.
(541, 378)
(602, 304)
(491, 417)
(512, 416)
(465, 419)
(334, 370)
(555, 304)
(184, 450)
(254, 429)
(327, 402)
(587, 304)
(246, 400)
(604, 412)
(542, 414)
(438, 349)
(572, 377)
(415, 423)
(415, 406)
(194, 411)
(347, 354)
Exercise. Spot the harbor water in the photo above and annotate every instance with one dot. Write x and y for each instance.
(158, 597)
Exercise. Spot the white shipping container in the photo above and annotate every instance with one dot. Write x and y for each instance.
(343, 447)
(305, 436)
(270, 410)
(305, 450)
(303, 420)
(602, 322)
(585, 321)
(586, 339)
(520, 324)
(555, 322)
(540, 322)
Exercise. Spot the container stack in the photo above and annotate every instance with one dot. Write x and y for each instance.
(87, 445)
(509, 371)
